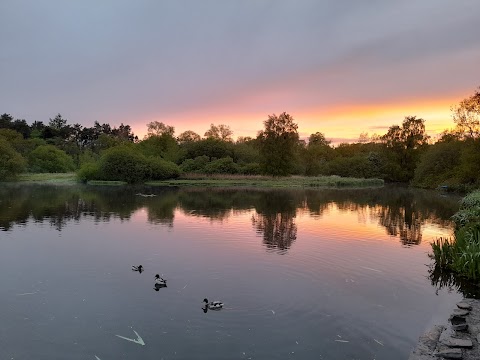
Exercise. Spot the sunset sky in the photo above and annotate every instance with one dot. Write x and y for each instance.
(341, 67)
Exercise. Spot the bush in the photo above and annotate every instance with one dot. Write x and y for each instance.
(125, 163)
(89, 171)
(122, 163)
(47, 158)
(222, 166)
(160, 169)
(251, 169)
(195, 165)
(11, 162)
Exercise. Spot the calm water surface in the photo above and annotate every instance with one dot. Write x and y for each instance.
(327, 274)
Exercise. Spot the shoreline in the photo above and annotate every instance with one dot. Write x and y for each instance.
(459, 340)
(293, 182)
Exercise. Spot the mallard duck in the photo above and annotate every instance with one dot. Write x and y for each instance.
(138, 268)
(214, 305)
(159, 280)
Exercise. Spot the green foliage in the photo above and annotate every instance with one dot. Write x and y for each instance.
(438, 165)
(250, 169)
(49, 159)
(124, 163)
(160, 169)
(211, 147)
(278, 143)
(195, 165)
(462, 255)
(246, 152)
(164, 145)
(222, 166)
(405, 144)
(11, 162)
(88, 171)
(358, 166)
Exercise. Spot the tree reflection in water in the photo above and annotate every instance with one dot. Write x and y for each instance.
(275, 220)
(401, 211)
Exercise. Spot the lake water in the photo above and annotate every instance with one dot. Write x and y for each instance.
(307, 274)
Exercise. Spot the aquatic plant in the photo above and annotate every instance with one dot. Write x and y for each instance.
(460, 255)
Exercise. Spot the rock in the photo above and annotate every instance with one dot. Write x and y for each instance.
(455, 319)
(427, 344)
(460, 327)
(454, 342)
(460, 312)
(448, 338)
(450, 353)
(465, 306)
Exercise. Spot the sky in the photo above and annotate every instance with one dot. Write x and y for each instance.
(340, 67)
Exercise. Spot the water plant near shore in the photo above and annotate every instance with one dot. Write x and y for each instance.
(462, 254)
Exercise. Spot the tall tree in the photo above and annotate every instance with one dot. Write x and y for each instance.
(466, 116)
(278, 142)
(6, 121)
(188, 136)
(156, 128)
(58, 122)
(220, 132)
(405, 143)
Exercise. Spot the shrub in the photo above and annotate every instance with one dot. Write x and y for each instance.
(222, 166)
(11, 162)
(250, 169)
(160, 169)
(89, 171)
(122, 163)
(47, 158)
(195, 165)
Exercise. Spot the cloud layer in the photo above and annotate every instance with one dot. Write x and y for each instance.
(190, 63)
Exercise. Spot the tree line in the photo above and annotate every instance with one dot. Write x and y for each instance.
(405, 153)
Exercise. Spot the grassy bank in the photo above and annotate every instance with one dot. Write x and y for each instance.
(462, 253)
(49, 178)
(217, 181)
(267, 181)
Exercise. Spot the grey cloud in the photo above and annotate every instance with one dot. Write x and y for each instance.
(116, 60)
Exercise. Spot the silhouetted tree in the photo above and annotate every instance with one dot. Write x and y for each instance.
(278, 142)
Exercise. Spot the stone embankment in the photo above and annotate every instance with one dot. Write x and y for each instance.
(460, 340)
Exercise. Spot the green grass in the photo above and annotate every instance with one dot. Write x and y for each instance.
(254, 181)
(268, 182)
(49, 178)
(105, 182)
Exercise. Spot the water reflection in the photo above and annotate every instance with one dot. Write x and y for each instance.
(274, 220)
(442, 279)
(402, 212)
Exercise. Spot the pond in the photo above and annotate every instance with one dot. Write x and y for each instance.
(304, 274)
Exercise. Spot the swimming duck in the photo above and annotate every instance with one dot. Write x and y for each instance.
(214, 305)
(137, 268)
(159, 280)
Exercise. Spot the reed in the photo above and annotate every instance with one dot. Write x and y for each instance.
(461, 255)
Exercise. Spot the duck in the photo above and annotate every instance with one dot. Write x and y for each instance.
(138, 268)
(160, 281)
(214, 305)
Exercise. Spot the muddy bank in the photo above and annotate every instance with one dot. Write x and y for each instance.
(459, 340)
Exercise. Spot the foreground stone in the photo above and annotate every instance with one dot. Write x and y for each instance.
(460, 340)
(449, 353)
(460, 312)
(446, 338)
(465, 306)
